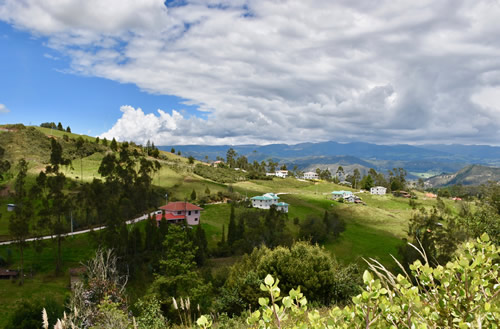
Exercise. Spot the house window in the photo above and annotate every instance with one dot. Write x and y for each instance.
(189, 212)
(196, 211)
(196, 219)
(179, 212)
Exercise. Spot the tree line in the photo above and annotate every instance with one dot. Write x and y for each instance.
(51, 203)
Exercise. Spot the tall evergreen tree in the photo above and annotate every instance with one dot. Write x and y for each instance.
(201, 243)
(113, 145)
(177, 276)
(19, 222)
(55, 205)
(231, 229)
(79, 149)
(240, 229)
(4, 164)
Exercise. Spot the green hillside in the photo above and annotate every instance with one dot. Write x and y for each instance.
(373, 230)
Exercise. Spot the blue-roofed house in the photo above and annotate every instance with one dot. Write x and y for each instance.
(282, 206)
(341, 194)
(267, 200)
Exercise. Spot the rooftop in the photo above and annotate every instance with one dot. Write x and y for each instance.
(180, 206)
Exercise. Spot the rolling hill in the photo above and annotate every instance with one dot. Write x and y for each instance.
(469, 175)
(423, 159)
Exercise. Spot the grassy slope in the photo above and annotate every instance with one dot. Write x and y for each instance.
(374, 230)
(43, 283)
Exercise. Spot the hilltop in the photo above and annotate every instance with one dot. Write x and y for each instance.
(469, 175)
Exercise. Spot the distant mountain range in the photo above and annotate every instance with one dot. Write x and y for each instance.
(419, 161)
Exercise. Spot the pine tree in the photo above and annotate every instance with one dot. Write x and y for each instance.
(55, 204)
(19, 222)
(177, 275)
(223, 239)
(231, 229)
(68, 129)
(193, 195)
(201, 243)
(60, 127)
(240, 229)
(113, 145)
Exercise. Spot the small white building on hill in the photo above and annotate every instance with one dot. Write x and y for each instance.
(378, 190)
(267, 200)
(282, 173)
(341, 194)
(310, 175)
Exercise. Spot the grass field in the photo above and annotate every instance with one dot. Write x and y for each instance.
(372, 230)
(42, 282)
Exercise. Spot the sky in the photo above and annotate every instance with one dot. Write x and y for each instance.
(255, 71)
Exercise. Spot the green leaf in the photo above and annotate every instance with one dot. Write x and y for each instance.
(269, 280)
(367, 277)
(202, 321)
(485, 237)
(263, 301)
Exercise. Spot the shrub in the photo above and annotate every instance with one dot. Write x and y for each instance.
(27, 313)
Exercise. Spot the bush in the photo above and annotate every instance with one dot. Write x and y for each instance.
(27, 313)
(462, 294)
(312, 268)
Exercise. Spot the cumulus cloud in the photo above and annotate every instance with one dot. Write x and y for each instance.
(4, 109)
(287, 71)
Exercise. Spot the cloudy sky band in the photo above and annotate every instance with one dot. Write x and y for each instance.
(285, 71)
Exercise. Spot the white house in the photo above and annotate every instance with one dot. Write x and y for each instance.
(282, 173)
(310, 175)
(267, 200)
(341, 194)
(264, 201)
(378, 190)
(282, 206)
(270, 174)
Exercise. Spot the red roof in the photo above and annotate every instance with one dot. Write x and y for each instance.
(180, 206)
(169, 216)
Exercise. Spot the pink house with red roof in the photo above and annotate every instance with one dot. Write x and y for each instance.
(177, 212)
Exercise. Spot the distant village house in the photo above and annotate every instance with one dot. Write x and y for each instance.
(341, 194)
(347, 196)
(278, 173)
(217, 163)
(310, 175)
(177, 212)
(378, 190)
(282, 173)
(267, 200)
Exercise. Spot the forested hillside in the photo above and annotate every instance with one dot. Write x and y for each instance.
(61, 182)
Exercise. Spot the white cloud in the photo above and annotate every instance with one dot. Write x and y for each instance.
(287, 71)
(4, 109)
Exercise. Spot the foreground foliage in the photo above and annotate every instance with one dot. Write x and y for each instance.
(462, 294)
(465, 293)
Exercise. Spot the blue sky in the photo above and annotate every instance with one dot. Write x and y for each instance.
(38, 87)
(255, 71)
